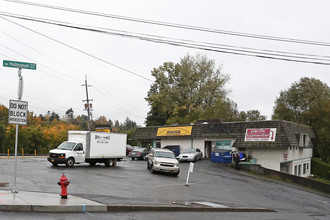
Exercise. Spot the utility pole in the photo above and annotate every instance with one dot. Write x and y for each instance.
(88, 106)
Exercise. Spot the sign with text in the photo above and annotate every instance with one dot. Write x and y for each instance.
(260, 134)
(16, 64)
(174, 131)
(18, 111)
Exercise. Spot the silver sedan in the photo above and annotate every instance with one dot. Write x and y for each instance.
(191, 154)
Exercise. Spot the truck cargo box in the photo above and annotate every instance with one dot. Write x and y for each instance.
(106, 145)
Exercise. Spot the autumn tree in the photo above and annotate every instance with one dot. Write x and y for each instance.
(308, 102)
(187, 91)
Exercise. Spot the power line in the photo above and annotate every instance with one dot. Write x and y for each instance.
(76, 49)
(181, 26)
(276, 55)
(43, 54)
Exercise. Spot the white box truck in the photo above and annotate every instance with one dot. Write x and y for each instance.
(89, 147)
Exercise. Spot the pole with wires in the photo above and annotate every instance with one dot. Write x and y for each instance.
(88, 105)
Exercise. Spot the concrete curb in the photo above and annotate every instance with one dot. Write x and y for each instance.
(123, 208)
(54, 208)
(166, 208)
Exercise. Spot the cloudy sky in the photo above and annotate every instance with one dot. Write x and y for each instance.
(118, 63)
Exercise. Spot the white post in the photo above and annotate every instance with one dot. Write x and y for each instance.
(190, 170)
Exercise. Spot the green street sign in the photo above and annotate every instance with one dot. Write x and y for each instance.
(15, 64)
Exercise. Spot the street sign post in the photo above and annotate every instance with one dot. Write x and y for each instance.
(17, 108)
(16, 64)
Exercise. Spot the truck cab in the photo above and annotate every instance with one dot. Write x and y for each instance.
(69, 153)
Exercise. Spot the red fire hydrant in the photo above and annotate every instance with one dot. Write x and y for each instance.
(64, 184)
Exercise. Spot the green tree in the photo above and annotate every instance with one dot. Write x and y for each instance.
(69, 115)
(308, 102)
(3, 126)
(187, 91)
(54, 116)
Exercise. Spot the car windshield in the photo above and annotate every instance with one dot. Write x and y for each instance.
(164, 154)
(66, 146)
(185, 151)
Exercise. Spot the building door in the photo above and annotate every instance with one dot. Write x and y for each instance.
(207, 149)
(284, 168)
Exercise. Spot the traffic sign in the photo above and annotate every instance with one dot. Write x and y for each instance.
(18, 111)
(16, 64)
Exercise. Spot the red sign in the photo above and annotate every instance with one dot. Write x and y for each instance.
(285, 156)
(260, 134)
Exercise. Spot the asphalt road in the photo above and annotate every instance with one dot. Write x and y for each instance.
(131, 183)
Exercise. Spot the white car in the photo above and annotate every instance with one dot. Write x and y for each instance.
(191, 154)
(162, 160)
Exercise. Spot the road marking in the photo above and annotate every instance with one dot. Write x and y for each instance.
(211, 204)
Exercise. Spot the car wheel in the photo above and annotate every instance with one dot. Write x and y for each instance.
(148, 167)
(151, 168)
(132, 158)
(177, 174)
(54, 164)
(70, 162)
(194, 159)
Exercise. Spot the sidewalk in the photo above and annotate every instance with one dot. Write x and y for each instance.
(47, 202)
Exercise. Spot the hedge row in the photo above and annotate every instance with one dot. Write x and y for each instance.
(320, 169)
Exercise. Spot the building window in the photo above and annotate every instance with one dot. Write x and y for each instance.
(299, 170)
(304, 140)
(295, 170)
(223, 145)
(304, 168)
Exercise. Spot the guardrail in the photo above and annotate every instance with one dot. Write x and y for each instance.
(20, 154)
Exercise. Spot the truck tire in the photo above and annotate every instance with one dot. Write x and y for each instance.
(110, 163)
(70, 162)
(92, 163)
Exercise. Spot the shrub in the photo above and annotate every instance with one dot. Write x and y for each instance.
(320, 168)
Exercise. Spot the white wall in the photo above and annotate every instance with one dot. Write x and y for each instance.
(269, 157)
(272, 158)
(185, 143)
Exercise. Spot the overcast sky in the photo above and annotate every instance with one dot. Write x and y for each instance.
(119, 68)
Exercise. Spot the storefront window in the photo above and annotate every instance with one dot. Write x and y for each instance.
(223, 145)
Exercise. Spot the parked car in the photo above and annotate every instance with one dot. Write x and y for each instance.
(138, 153)
(191, 154)
(162, 160)
(129, 148)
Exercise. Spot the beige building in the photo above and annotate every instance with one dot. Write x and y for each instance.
(278, 145)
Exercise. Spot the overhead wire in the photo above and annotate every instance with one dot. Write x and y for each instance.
(81, 51)
(277, 55)
(174, 25)
(121, 108)
(63, 64)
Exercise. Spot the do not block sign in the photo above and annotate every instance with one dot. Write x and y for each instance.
(18, 111)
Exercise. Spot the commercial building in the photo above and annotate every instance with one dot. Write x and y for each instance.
(278, 145)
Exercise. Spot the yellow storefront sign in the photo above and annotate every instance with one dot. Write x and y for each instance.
(174, 131)
(102, 130)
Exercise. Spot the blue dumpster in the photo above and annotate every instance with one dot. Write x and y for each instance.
(221, 156)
